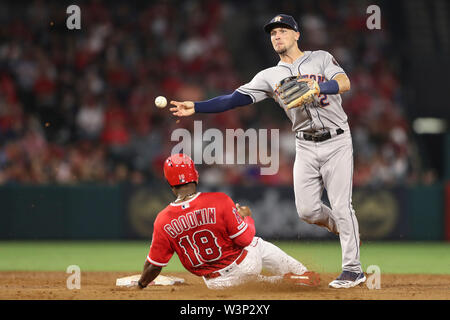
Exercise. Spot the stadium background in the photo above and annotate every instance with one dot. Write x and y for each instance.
(82, 145)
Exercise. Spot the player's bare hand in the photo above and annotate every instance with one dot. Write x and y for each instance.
(182, 109)
(244, 211)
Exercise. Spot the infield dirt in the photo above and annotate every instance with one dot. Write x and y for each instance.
(22, 285)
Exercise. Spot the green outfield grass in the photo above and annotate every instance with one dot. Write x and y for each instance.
(391, 257)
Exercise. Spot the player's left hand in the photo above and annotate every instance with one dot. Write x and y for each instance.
(313, 85)
(296, 92)
(243, 211)
(308, 97)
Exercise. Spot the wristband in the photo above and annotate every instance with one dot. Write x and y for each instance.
(329, 87)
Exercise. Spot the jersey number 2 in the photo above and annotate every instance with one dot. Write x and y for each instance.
(323, 100)
(201, 248)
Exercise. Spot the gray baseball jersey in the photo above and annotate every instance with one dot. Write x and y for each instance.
(317, 165)
(318, 65)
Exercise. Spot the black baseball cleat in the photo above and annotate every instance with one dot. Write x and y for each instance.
(348, 279)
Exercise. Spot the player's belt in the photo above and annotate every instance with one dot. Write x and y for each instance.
(225, 270)
(319, 137)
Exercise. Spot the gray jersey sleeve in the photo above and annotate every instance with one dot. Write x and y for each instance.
(258, 88)
(330, 66)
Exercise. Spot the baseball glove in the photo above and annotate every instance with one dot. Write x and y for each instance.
(295, 92)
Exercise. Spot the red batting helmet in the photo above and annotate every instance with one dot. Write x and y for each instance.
(180, 169)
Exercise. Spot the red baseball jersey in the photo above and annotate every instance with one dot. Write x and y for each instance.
(206, 232)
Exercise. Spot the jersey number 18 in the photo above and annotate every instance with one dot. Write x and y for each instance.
(201, 248)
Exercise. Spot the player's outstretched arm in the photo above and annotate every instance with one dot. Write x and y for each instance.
(149, 274)
(214, 105)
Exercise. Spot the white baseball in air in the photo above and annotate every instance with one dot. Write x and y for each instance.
(161, 102)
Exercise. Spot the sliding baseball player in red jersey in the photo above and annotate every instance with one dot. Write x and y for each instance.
(213, 237)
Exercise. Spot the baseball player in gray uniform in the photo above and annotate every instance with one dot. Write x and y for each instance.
(324, 151)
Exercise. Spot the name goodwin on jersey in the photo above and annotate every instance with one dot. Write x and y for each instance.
(190, 220)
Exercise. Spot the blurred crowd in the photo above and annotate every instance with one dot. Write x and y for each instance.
(77, 106)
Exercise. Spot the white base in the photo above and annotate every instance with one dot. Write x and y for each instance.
(160, 280)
